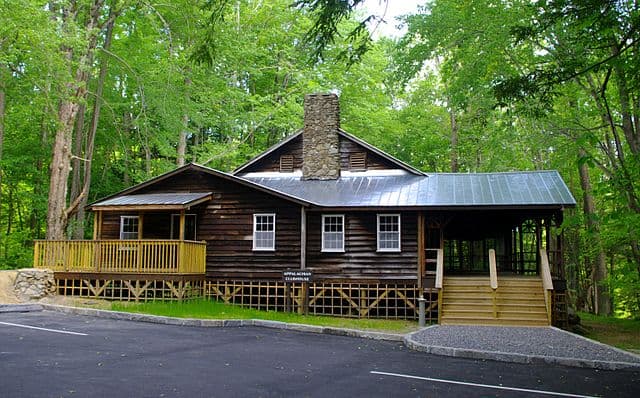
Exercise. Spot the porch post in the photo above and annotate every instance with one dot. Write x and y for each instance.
(421, 251)
(140, 225)
(97, 224)
(303, 237)
(181, 236)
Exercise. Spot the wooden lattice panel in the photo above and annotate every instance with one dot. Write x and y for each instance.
(129, 290)
(356, 300)
(559, 316)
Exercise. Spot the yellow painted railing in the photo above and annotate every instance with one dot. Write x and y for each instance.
(547, 281)
(121, 256)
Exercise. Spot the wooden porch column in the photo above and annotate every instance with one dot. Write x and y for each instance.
(97, 224)
(181, 233)
(140, 225)
(421, 250)
(303, 237)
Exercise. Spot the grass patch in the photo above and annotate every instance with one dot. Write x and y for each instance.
(621, 333)
(209, 309)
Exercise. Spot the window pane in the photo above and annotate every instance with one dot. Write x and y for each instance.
(129, 228)
(264, 231)
(388, 232)
(333, 233)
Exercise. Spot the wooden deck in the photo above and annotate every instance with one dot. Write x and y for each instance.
(172, 257)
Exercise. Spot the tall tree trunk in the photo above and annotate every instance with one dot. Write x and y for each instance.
(454, 140)
(93, 128)
(60, 164)
(602, 299)
(2, 113)
(182, 142)
(74, 94)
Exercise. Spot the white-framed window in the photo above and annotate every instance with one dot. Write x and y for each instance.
(264, 231)
(129, 227)
(189, 226)
(333, 233)
(388, 232)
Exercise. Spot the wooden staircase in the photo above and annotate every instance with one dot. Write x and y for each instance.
(519, 301)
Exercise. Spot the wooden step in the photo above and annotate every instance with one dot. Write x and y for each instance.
(484, 306)
(470, 301)
(490, 321)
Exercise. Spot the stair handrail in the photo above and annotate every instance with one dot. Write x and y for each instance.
(493, 272)
(439, 279)
(547, 281)
(493, 278)
(439, 269)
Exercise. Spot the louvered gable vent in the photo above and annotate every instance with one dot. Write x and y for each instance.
(358, 161)
(286, 164)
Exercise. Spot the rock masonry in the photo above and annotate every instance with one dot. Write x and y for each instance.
(32, 284)
(320, 144)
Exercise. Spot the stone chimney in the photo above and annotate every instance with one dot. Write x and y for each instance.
(320, 145)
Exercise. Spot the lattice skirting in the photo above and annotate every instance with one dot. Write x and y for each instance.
(130, 290)
(559, 316)
(357, 300)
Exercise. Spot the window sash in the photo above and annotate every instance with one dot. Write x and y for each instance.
(264, 231)
(333, 233)
(129, 227)
(388, 232)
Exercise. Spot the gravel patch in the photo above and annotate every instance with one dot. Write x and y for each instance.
(521, 344)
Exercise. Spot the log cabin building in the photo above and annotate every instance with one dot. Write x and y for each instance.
(375, 234)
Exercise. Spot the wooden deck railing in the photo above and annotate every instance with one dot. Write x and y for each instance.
(547, 281)
(121, 256)
(439, 281)
(493, 279)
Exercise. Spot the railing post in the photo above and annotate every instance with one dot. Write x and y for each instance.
(36, 254)
(421, 312)
(439, 281)
(180, 256)
(493, 277)
(547, 282)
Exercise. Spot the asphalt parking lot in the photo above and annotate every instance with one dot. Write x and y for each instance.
(47, 354)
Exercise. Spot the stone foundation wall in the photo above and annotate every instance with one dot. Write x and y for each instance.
(34, 284)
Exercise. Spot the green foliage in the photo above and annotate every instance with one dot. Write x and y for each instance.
(618, 332)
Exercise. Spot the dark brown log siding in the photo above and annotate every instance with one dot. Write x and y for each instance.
(271, 162)
(361, 261)
(226, 223)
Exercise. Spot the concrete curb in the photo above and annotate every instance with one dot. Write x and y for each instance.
(408, 339)
(20, 307)
(415, 345)
(165, 320)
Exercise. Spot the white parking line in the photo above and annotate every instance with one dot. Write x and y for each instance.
(463, 383)
(44, 329)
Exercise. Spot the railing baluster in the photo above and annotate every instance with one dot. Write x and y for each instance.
(119, 256)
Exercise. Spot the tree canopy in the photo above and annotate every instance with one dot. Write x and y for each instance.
(97, 95)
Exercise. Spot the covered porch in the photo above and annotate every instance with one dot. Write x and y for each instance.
(494, 266)
(144, 247)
